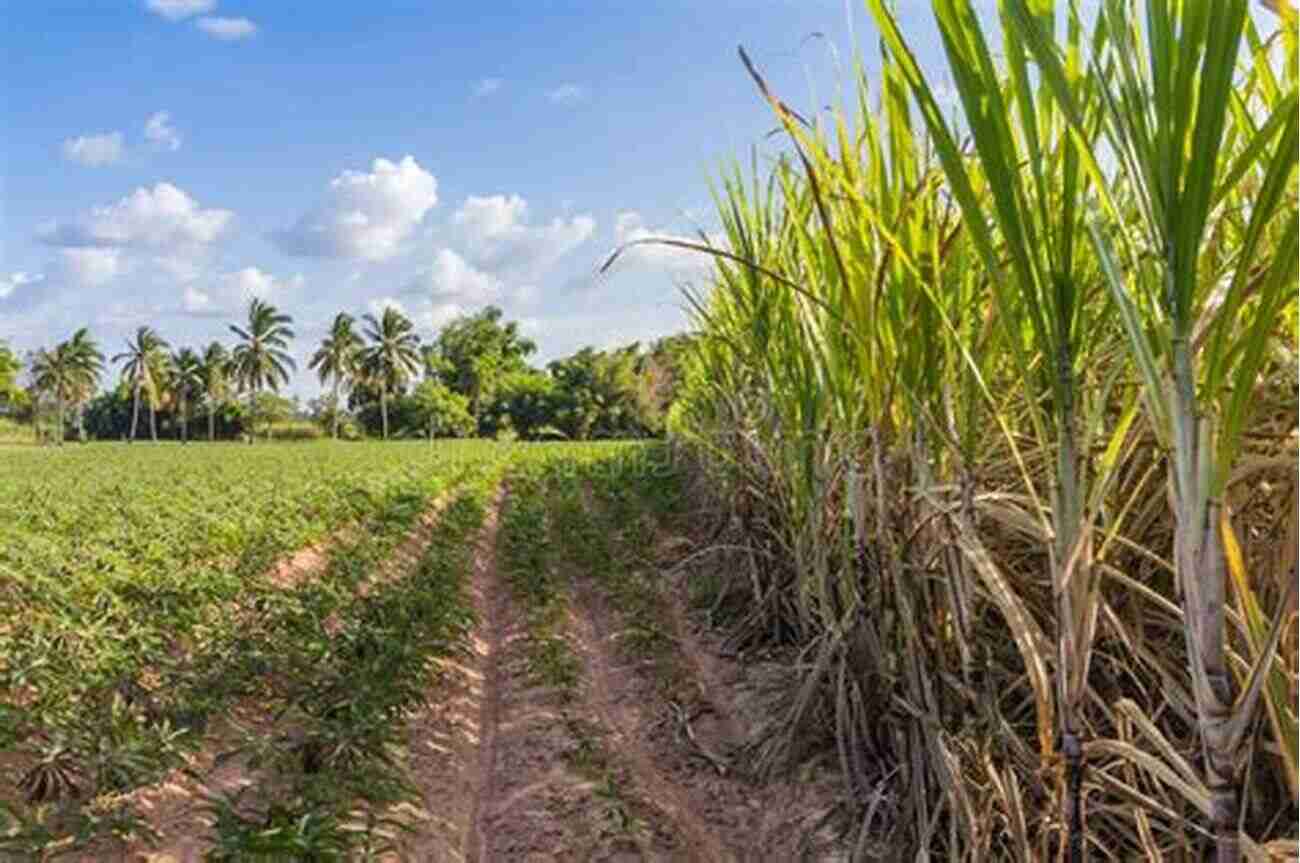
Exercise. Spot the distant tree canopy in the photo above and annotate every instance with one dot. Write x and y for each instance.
(474, 353)
(10, 366)
(472, 378)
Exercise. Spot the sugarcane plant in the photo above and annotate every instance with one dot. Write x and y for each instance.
(1033, 183)
(1203, 269)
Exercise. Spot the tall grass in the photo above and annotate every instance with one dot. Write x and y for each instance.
(1003, 410)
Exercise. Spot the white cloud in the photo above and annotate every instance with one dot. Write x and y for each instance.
(94, 150)
(439, 315)
(227, 294)
(498, 239)
(227, 29)
(451, 277)
(251, 282)
(164, 217)
(160, 132)
(197, 302)
(487, 86)
(178, 268)
(428, 315)
(630, 227)
(364, 216)
(377, 306)
(90, 267)
(525, 294)
(179, 10)
(567, 94)
(12, 282)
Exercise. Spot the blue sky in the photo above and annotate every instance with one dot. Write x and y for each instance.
(166, 160)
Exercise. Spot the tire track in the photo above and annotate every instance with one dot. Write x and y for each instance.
(591, 626)
(489, 601)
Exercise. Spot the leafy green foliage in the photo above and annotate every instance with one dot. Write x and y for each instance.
(146, 600)
(392, 356)
(10, 366)
(261, 359)
(442, 412)
(473, 353)
(144, 367)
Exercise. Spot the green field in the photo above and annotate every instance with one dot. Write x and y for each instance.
(153, 593)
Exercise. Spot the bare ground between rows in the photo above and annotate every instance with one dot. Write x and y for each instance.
(614, 769)
(679, 738)
(449, 739)
(490, 751)
(506, 765)
(173, 807)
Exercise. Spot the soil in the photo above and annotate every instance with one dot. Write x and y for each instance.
(621, 767)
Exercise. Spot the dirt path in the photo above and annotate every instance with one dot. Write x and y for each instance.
(492, 753)
(489, 602)
(451, 741)
(618, 765)
(619, 696)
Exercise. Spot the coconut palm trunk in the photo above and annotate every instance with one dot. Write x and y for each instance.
(336, 408)
(383, 408)
(153, 420)
(212, 422)
(135, 413)
(252, 421)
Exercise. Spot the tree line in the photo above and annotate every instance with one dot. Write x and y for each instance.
(379, 378)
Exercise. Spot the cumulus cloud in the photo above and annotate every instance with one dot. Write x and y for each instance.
(94, 150)
(377, 306)
(159, 131)
(429, 315)
(487, 86)
(90, 267)
(227, 294)
(498, 238)
(227, 29)
(179, 10)
(198, 302)
(364, 216)
(451, 277)
(164, 217)
(630, 227)
(178, 267)
(438, 315)
(12, 283)
(567, 95)
(251, 282)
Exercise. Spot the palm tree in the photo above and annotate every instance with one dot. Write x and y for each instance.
(68, 371)
(261, 359)
(187, 383)
(88, 363)
(393, 355)
(215, 370)
(144, 372)
(337, 357)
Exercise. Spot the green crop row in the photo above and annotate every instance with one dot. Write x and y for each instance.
(104, 696)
